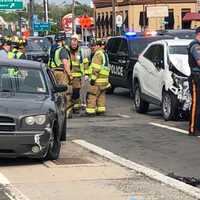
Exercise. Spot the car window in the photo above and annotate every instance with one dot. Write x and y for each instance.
(160, 52)
(22, 80)
(123, 47)
(178, 50)
(155, 51)
(113, 45)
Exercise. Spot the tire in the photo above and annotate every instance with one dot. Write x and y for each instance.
(141, 106)
(64, 129)
(54, 146)
(169, 106)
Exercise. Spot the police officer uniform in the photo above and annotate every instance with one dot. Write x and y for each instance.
(194, 57)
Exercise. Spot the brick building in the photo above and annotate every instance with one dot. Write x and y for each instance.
(134, 15)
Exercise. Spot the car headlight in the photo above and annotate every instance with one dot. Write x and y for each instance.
(30, 120)
(179, 80)
(38, 120)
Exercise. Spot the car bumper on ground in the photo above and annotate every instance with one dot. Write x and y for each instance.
(32, 144)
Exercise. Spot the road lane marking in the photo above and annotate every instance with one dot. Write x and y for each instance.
(188, 189)
(124, 116)
(12, 192)
(169, 127)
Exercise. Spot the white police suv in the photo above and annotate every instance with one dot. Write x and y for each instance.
(161, 77)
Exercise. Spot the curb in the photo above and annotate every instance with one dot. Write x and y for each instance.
(188, 189)
(11, 192)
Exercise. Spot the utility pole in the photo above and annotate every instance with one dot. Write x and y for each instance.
(113, 19)
(46, 16)
(31, 13)
(73, 17)
(198, 6)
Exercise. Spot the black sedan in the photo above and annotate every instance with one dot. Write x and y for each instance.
(32, 110)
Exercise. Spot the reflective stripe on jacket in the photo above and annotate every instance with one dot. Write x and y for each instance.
(100, 68)
(77, 63)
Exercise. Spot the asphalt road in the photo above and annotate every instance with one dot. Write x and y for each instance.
(132, 136)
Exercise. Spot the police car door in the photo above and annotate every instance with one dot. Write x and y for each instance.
(123, 63)
(116, 70)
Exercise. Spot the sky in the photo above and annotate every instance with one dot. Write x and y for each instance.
(67, 1)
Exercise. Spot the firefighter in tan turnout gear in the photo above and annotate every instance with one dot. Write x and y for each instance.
(60, 64)
(78, 63)
(99, 73)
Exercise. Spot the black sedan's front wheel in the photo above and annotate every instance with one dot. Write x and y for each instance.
(54, 146)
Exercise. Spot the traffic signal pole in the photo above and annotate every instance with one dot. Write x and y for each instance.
(73, 17)
(46, 16)
(31, 12)
(113, 19)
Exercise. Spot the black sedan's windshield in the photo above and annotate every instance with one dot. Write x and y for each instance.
(38, 44)
(22, 80)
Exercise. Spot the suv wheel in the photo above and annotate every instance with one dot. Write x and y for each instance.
(141, 106)
(169, 106)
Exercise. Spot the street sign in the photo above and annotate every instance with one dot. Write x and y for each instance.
(41, 26)
(157, 11)
(119, 20)
(11, 5)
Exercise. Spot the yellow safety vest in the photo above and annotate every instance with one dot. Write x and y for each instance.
(56, 62)
(103, 70)
(14, 54)
(77, 65)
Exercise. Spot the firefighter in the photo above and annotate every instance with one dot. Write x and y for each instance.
(77, 66)
(99, 68)
(60, 63)
(194, 62)
(17, 51)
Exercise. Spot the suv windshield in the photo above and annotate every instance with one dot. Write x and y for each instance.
(178, 50)
(22, 80)
(35, 44)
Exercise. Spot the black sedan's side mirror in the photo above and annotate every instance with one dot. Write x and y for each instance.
(60, 88)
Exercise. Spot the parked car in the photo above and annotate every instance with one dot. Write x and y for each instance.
(123, 52)
(32, 110)
(161, 77)
(37, 49)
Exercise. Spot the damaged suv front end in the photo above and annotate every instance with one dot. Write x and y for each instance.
(181, 90)
(180, 72)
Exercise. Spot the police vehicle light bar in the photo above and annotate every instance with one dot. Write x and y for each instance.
(150, 33)
(130, 34)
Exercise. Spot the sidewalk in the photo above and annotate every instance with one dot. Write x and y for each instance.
(82, 175)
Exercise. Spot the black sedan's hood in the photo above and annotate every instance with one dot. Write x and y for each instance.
(23, 105)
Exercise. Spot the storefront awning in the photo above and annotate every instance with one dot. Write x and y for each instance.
(191, 17)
